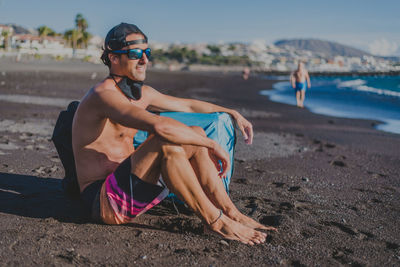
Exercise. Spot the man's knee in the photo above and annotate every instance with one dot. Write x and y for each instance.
(169, 149)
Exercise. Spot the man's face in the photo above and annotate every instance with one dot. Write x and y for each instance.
(134, 69)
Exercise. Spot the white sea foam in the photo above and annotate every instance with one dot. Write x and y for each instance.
(351, 83)
(378, 91)
(359, 85)
(390, 125)
(281, 86)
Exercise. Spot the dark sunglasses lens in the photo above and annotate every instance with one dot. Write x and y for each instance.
(148, 52)
(135, 53)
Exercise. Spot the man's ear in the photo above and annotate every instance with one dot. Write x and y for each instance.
(113, 58)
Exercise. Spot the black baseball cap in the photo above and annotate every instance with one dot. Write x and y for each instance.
(116, 37)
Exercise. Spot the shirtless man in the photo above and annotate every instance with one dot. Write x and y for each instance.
(117, 182)
(298, 80)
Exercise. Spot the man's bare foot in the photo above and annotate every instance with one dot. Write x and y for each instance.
(249, 222)
(233, 230)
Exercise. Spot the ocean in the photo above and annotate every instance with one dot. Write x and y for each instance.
(361, 97)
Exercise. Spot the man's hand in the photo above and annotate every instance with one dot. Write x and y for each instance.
(218, 155)
(245, 127)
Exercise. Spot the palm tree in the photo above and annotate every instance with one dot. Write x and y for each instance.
(78, 37)
(45, 31)
(81, 23)
(72, 36)
(85, 39)
(6, 35)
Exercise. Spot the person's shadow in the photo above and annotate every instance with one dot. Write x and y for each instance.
(36, 197)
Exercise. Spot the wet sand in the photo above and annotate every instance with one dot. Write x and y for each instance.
(330, 185)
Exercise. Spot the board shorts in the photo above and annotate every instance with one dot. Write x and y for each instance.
(128, 195)
(300, 86)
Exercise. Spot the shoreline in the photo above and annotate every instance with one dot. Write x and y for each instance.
(65, 65)
(381, 124)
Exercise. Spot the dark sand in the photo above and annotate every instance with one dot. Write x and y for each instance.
(331, 186)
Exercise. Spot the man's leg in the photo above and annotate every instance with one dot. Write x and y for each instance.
(155, 155)
(212, 185)
(298, 98)
(303, 97)
(181, 180)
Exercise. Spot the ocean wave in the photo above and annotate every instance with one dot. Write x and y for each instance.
(378, 91)
(351, 83)
(282, 86)
(359, 85)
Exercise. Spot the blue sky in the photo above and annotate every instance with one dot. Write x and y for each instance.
(366, 24)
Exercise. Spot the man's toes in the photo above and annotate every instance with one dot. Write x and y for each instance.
(267, 228)
(256, 236)
(257, 240)
(261, 239)
(270, 228)
(261, 234)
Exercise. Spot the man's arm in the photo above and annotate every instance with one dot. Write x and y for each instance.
(112, 105)
(308, 80)
(161, 102)
(292, 80)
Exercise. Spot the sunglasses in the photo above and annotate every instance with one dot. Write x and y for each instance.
(134, 53)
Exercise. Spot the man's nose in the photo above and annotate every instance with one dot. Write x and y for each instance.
(144, 59)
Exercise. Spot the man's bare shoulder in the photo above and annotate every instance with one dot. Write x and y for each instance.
(101, 95)
(104, 86)
(103, 92)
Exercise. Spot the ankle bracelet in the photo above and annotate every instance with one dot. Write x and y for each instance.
(219, 217)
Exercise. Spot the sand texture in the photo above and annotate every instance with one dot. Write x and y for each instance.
(331, 186)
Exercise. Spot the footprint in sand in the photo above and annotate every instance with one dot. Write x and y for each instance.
(278, 184)
(72, 257)
(272, 220)
(241, 181)
(307, 234)
(294, 188)
(285, 206)
(344, 256)
(294, 263)
(377, 175)
(342, 227)
(393, 246)
(362, 235)
(302, 205)
(253, 205)
(319, 149)
(338, 163)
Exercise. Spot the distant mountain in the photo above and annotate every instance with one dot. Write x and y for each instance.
(329, 49)
(19, 29)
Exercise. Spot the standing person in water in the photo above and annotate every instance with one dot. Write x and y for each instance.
(118, 182)
(298, 79)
